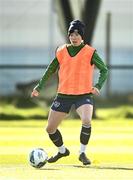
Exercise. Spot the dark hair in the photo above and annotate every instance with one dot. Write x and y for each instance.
(76, 25)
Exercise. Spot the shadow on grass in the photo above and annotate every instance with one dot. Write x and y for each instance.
(60, 166)
(104, 167)
(49, 169)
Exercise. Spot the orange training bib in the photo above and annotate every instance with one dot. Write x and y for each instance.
(75, 73)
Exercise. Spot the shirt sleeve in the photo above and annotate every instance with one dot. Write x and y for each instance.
(53, 66)
(98, 62)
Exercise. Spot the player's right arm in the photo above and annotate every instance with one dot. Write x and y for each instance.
(53, 66)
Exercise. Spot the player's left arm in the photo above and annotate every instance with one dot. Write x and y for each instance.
(98, 62)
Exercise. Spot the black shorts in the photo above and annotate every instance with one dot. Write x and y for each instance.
(64, 104)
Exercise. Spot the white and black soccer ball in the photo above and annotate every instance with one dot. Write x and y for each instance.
(38, 157)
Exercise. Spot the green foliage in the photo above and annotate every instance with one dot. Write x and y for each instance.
(10, 112)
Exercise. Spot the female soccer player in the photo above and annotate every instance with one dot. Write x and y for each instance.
(75, 63)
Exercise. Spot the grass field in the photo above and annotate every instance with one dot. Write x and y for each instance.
(110, 149)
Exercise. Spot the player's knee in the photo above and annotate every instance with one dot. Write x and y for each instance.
(86, 120)
(50, 129)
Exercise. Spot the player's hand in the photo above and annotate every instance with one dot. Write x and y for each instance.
(95, 91)
(34, 93)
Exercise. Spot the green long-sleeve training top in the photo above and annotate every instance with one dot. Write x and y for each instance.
(73, 50)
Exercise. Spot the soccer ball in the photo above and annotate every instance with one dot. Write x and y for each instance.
(38, 157)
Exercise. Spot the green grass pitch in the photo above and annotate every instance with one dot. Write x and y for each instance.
(110, 150)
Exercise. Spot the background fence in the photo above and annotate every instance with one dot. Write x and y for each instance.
(29, 33)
